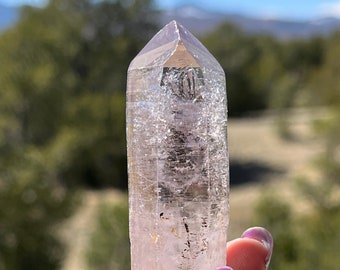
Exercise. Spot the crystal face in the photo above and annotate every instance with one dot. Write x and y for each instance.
(177, 154)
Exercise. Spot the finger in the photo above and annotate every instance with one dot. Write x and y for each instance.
(252, 251)
(262, 235)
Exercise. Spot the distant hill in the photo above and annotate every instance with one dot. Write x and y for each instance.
(8, 16)
(201, 21)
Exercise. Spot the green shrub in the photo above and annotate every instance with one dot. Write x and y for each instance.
(109, 244)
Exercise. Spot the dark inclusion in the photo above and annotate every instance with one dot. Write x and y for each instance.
(185, 156)
(184, 83)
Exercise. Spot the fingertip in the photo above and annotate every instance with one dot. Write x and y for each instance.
(246, 254)
(263, 236)
(260, 234)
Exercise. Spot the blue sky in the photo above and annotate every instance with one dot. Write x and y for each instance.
(291, 9)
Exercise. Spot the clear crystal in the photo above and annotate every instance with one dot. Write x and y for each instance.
(177, 154)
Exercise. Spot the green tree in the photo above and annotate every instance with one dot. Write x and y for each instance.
(276, 215)
(251, 64)
(312, 239)
(109, 246)
(33, 204)
(62, 117)
(324, 81)
(64, 71)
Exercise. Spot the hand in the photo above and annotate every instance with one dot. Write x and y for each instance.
(250, 252)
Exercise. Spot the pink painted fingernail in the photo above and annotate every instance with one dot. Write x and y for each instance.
(262, 235)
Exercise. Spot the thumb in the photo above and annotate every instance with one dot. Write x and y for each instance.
(252, 251)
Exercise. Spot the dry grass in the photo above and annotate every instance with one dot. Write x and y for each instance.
(78, 229)
(257, 140)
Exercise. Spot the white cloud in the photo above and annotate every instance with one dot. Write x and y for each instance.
(330, 9)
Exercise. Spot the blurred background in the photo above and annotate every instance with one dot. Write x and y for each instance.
(63, 179)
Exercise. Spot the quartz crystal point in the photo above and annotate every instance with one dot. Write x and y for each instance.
(177, 155)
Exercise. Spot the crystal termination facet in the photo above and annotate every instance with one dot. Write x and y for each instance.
(177, 154)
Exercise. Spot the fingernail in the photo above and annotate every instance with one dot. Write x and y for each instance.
(224, 268)
(262, 235)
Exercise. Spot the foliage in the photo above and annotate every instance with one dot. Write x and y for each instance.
(324, 83)
(33, 204)
(109, 244)
(239, 55)
(313, 239)
(309, 241)
(62, 107)
(56, 80)
(262, 72)
(275, 215)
